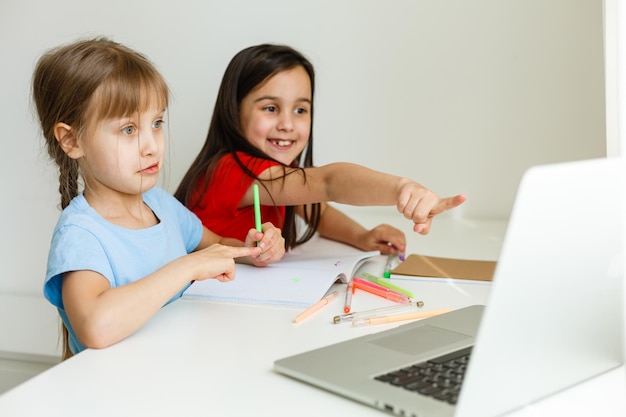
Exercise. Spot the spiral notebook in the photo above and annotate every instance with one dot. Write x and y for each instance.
(297, 280)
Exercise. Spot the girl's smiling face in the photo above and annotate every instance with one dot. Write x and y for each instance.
(276, 115)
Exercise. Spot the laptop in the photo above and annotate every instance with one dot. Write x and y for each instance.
(553, 318)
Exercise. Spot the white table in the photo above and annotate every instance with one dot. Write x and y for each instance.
(197, 358)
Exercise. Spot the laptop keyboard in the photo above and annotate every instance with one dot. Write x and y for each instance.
(439, 378)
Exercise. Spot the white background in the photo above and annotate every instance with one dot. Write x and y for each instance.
(461, 95)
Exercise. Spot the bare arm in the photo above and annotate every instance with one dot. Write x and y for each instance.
(102, 316)
(340, 182)
(352, 184)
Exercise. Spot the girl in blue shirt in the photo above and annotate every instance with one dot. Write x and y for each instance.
(122, 247)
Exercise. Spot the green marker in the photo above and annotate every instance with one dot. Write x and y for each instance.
(387, 273)
(257, 208)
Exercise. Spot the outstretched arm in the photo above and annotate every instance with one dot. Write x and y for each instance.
(355, 185)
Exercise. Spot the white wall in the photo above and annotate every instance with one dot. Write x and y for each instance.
(462, 95)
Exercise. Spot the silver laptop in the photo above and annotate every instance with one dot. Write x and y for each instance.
(553, 318)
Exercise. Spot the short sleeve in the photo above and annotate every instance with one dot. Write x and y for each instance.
(73, 248)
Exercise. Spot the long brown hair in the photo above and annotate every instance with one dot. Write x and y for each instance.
(247, 70)
(83, 82)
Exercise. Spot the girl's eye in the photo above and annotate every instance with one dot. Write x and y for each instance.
(270, 109)
(157, 124)
(301, 110)
(128, 130)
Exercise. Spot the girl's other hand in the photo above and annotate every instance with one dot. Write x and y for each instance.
(384, 238)
(271, 243)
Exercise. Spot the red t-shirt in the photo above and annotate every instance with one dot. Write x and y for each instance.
(218, 209)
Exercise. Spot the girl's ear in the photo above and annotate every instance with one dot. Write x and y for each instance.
(64, 134)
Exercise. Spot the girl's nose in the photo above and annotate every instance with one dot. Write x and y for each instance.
(285, 122)
(148, 143)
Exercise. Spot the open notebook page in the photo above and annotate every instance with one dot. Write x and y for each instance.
(297, 280)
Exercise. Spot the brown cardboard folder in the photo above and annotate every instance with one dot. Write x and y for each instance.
(431, 266)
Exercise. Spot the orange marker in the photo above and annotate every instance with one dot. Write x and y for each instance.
(349, 292)
(321, 303)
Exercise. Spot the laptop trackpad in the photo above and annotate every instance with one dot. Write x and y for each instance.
(421, 339)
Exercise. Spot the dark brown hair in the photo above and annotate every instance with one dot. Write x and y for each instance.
(246, 71)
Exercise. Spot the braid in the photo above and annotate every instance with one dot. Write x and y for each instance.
(68, 188)
(65, 335)
(68, 180)
(68, 170)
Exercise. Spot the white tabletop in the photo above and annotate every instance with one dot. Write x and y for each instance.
(198, 358)
(204, 358)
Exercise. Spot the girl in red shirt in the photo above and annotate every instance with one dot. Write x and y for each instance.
(261, 132)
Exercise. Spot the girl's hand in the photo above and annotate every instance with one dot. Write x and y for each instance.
(217, 261)
(384, 238)
(271, 244)
(420, 205)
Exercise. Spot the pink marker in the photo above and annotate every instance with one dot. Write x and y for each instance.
(380, 290)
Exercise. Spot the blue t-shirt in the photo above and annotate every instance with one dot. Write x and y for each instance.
(84, 240)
